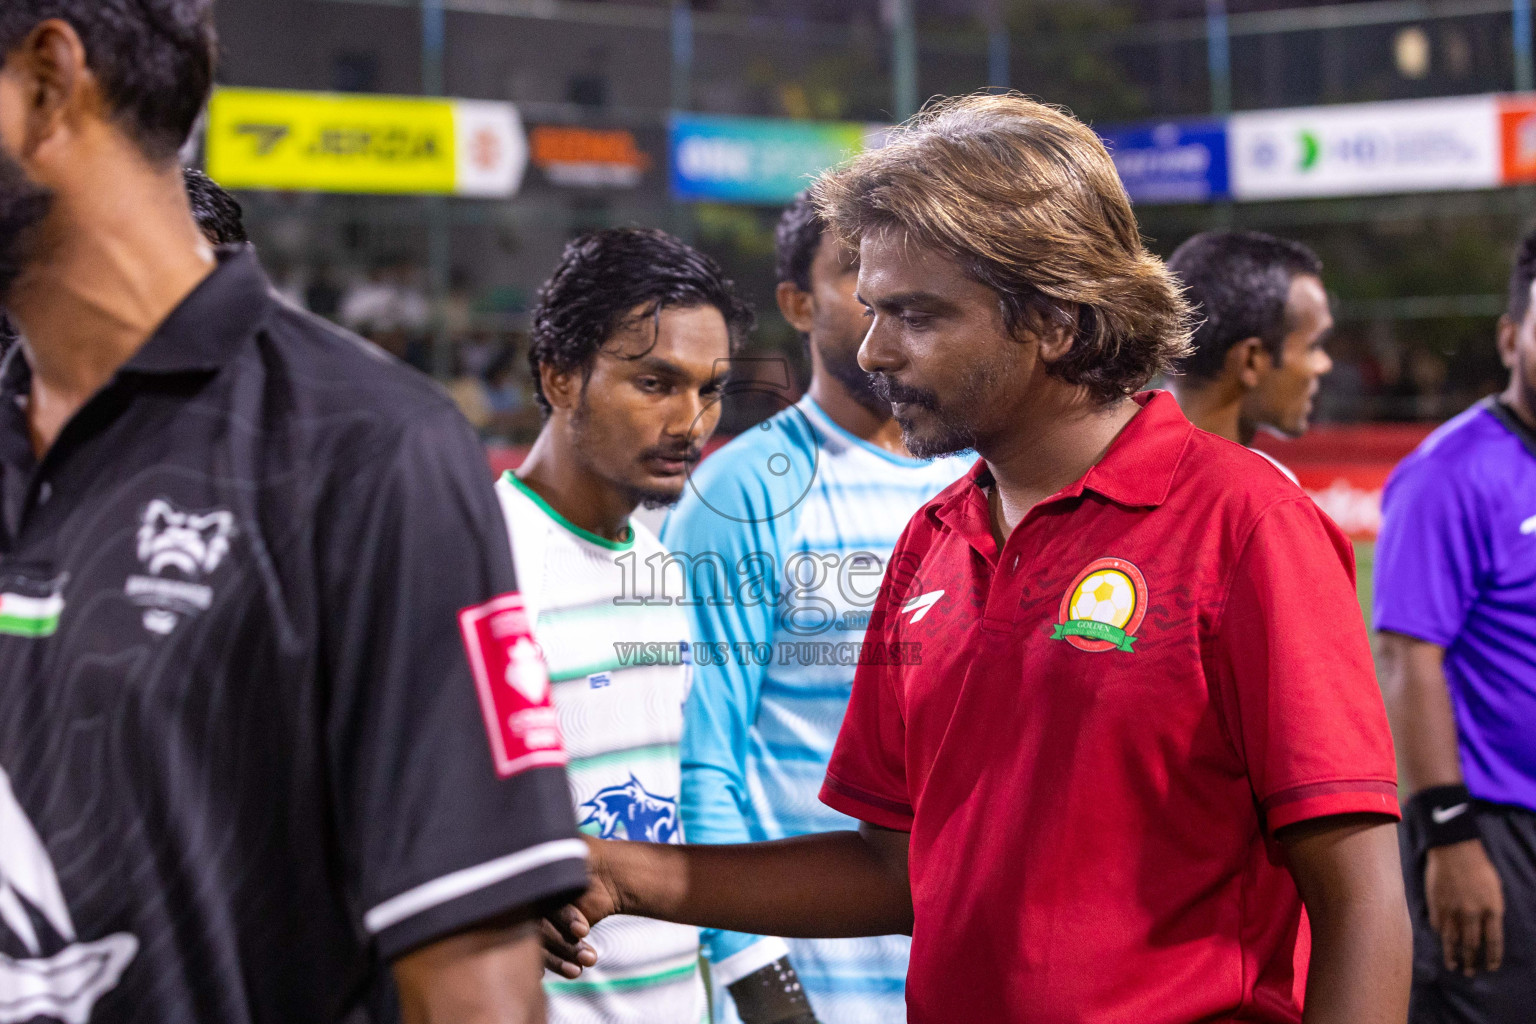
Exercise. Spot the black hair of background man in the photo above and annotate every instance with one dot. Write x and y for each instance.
(1238, 282)
(604, 276)
(218, 214)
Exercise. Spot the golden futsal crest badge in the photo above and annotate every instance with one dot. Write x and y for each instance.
(1103, 608)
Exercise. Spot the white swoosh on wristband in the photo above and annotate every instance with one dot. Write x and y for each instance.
(1441, 815)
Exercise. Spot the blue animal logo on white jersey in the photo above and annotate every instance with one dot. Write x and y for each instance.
(644, 816)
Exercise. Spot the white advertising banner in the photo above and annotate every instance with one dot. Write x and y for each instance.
(1365, 148)
(490, 149)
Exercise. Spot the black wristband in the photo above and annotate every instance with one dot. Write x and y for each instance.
(1446, 814)
(772, 995)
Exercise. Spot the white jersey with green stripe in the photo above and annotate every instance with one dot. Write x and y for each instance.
(620, 671)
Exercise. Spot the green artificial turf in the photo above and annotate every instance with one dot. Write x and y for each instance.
(1365, 554)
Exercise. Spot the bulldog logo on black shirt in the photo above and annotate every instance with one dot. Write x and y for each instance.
(173, 543)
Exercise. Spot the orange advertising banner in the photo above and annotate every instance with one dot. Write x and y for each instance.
(1517, 128)
(589, 157)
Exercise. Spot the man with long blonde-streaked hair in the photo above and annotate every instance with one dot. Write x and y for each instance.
(1115, 722)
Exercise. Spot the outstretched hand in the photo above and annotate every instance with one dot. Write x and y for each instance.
(820, 886)
(565, 929)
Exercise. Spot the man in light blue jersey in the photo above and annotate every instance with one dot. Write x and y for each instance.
(784, 535)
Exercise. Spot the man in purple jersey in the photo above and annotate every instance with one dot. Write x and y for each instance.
(1456, 605)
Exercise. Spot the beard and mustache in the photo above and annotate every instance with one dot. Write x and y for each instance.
(950, 434)
(591, 437)
(878, 393)
(844, 367)
(651, 499)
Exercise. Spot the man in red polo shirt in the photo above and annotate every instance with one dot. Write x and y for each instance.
(1117, 721)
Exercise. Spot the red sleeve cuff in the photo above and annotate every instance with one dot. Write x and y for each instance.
(1324, 799)
(866, 806)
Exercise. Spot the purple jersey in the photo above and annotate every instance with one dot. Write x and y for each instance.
(1456, 566)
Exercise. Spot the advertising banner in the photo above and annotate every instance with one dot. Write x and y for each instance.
(589, 157)
(334, 142)
(1517, 129)
(1366, 148)
(1171, 162)
(757, 160)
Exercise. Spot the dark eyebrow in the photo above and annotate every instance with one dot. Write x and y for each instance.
(910, 300)
(666, 368)
(656, 364)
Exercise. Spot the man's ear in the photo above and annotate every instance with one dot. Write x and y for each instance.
(1248, 362)
(56, 83)
(1509, 340)
(561, 388)
(798, 306)
(1055, 338)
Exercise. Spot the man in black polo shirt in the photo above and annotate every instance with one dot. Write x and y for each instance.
(270, 715)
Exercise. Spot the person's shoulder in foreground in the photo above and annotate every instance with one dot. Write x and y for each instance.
(282, 598)
(344, 441)
(1233, 475)
(341, 373)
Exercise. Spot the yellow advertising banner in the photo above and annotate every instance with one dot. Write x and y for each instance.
(334, 142)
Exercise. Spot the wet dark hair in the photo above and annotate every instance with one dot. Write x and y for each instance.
(154, 58)
(1521, 275)
(608, 279)
(1239, 283)
(219, 216)
(797, 239)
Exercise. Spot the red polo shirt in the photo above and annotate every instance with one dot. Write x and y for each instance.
(1110, 718)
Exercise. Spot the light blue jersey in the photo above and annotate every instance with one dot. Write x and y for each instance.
(784, 536)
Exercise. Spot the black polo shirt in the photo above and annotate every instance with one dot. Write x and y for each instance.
(244, 758)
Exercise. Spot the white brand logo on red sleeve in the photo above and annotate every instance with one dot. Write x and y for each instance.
(513, 684)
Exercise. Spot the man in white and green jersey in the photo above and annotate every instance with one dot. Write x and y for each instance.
(631, 343)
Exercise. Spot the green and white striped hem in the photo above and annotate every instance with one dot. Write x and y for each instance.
(31, 617)
(674, 972)
(628, 755)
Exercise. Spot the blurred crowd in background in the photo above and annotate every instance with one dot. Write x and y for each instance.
(600, 85)
(487, 371)
(1376, 377)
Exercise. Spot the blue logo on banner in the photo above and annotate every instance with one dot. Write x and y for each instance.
(1172, 162)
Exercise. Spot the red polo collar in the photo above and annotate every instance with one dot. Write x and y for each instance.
(1136, 472)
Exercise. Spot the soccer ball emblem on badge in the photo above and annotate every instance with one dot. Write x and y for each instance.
(1103, 608)
(1106, 596)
